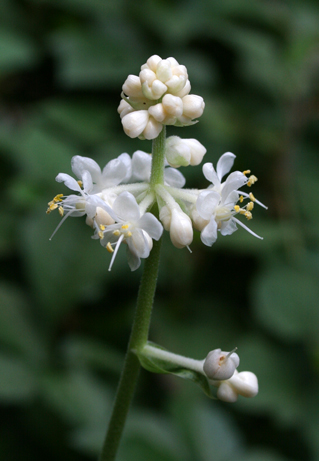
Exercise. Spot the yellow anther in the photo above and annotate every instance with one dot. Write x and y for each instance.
(250, 206)
(102, 227)
(252, 197)
(116, 233)
(61, 210)
(48, 211)
(251, 180)
(237, 208)
(248, 215)
(100, 234)
(128, 234)
(109, 248)
(53, 206)
(125, 226)
(58, 198)
(242, 211)
(246, 172)
(241, 199)
(80, 183)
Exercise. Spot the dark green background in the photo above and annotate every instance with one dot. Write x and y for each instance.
(65, 320)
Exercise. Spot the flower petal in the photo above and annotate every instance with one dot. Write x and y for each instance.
(228, 227)
(225, 164)
(87, 181)
(209, 233)
(174, 178)
(141, 166)
(70, 182)
(138, 244)
(126, 208)
(234, 181)
(116, 171)
(80, 164)
(206, 203)
(151, 225)
(133, 260)
(210, 174)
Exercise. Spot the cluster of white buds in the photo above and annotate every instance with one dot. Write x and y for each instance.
(221, 370)
(158, 96)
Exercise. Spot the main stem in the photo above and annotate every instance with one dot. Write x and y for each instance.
(141, 324)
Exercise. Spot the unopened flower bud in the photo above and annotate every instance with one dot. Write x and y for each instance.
(124, 108)
(193, 106)
(165, 217)
(135, 122)
(220, 365)
(132, 87)
(184, 152)
(244, 383)
(102, 217)
(181, 229)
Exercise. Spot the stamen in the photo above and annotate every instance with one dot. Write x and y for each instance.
(61, 211)
(102, 227)
(125, 226)
(58, 198)
(252, 197)
(250, 206)
(248, 215)
(128, 234)
(241, 199)
(80, 183)
(246, 172)
(231, 352)
(109, 247)
(242, 211)
(237, 208)
(252, 179)
(100, 234)
(116, 233)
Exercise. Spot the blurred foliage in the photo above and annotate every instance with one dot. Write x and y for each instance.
(65, 320)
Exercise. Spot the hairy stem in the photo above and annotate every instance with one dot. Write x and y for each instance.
(140, 328)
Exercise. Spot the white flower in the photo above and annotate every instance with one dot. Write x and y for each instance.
(130, 227)
(116, 171)
(183, 152)
(244, 383)
(220, 365)
(217, 205)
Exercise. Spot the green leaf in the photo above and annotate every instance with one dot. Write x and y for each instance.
(16, 51)
(17, 383)
(156, 365)
(286, 301)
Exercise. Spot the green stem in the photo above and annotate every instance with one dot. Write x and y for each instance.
(158, 158)
(141, 324)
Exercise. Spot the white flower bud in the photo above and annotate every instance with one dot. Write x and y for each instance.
(198, 222)
(193, 106)
(152, 63)
(244, 383)
(173, 105)
(124, 108)
(157, 112)
(164, 71)
(177, 153)
(102, 218)
(135, 122)
(184, 91)
(152, 129)
(220, 365)
(181, 229)
(147, 75)
(183, 152)
(165, 217)
(132, 87)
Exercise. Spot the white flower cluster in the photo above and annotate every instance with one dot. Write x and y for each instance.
(158, 96)
(116, 200)
(221, 370)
